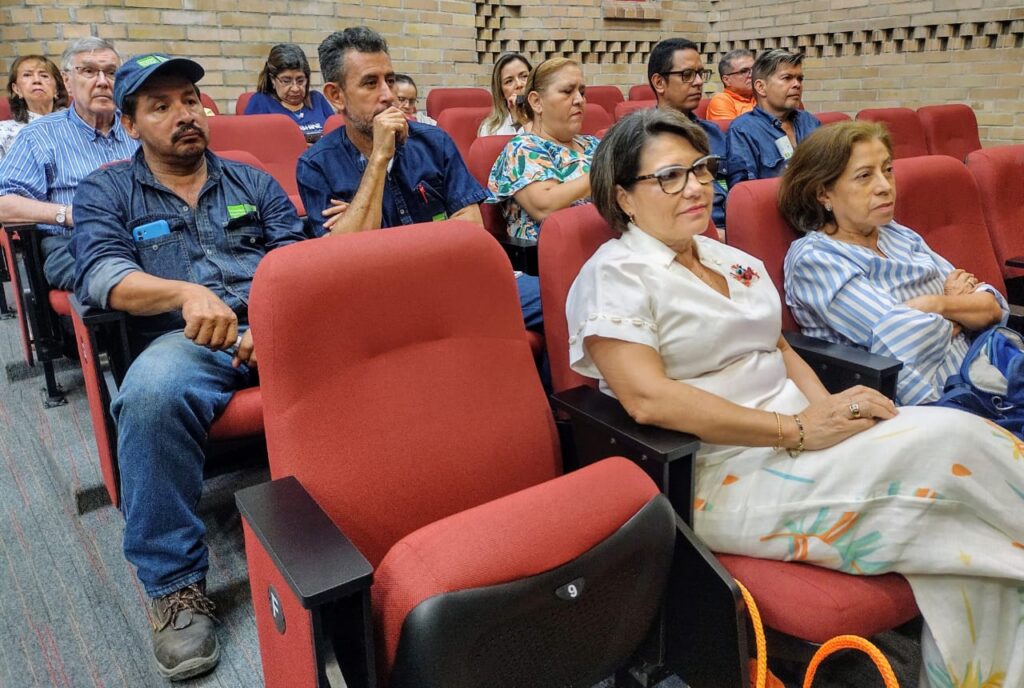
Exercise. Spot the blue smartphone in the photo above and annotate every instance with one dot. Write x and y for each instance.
(151, 230)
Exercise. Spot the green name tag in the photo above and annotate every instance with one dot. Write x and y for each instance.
(440, 216)
(237, 211)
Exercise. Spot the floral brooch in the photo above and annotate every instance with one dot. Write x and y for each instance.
(743, 275)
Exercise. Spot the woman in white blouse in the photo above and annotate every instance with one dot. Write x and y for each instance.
(685, 331)
(508, 84)
(34, 89)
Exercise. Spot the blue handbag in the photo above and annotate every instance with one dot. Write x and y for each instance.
(991, 380)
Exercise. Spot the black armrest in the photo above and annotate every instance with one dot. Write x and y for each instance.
(320, 564)
(1015, 262)
(522, 253)
(840, 366)
(111, 328)
(1016, 320)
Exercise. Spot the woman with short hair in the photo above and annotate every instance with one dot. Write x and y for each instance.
(34, 88)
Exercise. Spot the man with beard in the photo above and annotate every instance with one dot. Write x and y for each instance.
(173, 237)
(381, 170)
(761, 142)
(40, 174)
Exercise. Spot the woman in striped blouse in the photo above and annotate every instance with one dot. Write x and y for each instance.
(858, 277)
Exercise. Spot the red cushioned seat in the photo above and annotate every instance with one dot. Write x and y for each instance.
(827, 118)
(243, 101)
(999, 173)
(624, 108)
(209, 103)
(335, 121)
(462, 124)
(595, 119)
(641, 92)
(606, 97)
(483, 152)
(440, 99)
(242, 417)
(7, 245)
(59, 301)
(950, 129)
(905, 130)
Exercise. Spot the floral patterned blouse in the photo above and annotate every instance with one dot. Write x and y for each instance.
(526, 159)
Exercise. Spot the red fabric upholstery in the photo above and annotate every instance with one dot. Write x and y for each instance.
(462, 124)
(723, 124)
(937, 197)
(440, 99)
(827, 118)
(816, 604)
(244, 157)
(209, 103)
(595, 119)
(242, 417)
(905, 130)
(606, 97)
(702, 108)
(273, 139)
(999, 173)
(16, 291)
(641, 92)
(623, 109)
(335, 121)
(5, 108)
(757, 227)
(59, 301)
(482, 154)
(242, 101)
(950, 129)
(353, 409)
(510, 538)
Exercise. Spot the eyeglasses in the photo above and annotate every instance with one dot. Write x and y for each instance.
(687, 75)
(406, 101)
(90, 72)
(288, 82)
(741, 72)
(674, 178)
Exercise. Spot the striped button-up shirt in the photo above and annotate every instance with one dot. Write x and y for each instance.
(54, 153)
(849, 294)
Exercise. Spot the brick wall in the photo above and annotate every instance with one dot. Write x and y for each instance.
(861, 53)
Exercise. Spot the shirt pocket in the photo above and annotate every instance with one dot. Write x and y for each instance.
(247, 244)
(430, 200)
(164, 256)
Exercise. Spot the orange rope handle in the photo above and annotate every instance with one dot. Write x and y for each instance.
(851, 642)
(760, 643)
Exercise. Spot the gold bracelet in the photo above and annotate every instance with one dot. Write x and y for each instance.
(800, 445)
(778, 426)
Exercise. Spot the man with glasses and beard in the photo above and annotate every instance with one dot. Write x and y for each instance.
(676, 72)
(173, 237)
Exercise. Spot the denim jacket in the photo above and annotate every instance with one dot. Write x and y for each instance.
(750, 141)
(242, 213)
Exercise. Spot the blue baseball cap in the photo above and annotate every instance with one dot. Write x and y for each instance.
(136, 70)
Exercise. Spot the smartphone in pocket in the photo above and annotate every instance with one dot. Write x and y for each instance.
(151, 230)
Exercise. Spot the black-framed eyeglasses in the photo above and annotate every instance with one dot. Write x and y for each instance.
(687, 75)
(674, 178)
(90, 72)
(742, 72)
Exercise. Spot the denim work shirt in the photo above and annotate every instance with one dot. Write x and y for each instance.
(426, 180)
(242, 213)
(53, 154)
(716, 141)
(751, 144)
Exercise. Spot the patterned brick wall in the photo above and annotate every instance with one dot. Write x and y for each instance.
(861, 53)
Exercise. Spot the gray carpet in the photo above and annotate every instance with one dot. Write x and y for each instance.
(71, 610)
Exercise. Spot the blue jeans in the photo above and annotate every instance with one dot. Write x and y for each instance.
(529, 301)
(163, 411)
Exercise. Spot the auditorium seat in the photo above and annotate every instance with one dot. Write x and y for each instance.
(595, 118)
(440, 99)
(722, 124)
(641, 92)
(624, 108)
(462, 124)
(426, 528)
(786, 592)
(905, 130)
(483, 152)
(827, 118)
(242, 101)
(335, 121)
(5, 108)
(999, 175)
(209, 103)
(275, 140)
(8, 244)
(950, 129)
(702, 108)
(604, 96)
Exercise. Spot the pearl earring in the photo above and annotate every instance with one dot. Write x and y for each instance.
(828, 207)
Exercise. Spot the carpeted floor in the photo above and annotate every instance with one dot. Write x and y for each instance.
(71, 610)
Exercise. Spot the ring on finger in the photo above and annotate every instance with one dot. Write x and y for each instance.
(854, 410)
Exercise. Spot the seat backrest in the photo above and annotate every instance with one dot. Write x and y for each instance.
(604, 96)
(757, 227)
(440, 99)
(482, 154)
(243, 100)
(275, 140)
(595, 119)
(641, 92)
(702, 108)
(462, 124)
(999, 174)
(722, 124)
(209, 103)
(624, 108)
(827, 118)
(335, 121)
(950, 129)
(5, 108)
(243, 157)
(937, 198)
(905, 130)
(394, 372)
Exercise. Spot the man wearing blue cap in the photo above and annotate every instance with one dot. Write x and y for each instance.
(173, 237)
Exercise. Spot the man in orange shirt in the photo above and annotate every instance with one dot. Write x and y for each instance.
(738, 96)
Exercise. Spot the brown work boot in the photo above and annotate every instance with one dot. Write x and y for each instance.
(184, 641)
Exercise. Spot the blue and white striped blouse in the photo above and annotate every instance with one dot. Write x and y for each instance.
(845, 293)
(53, 154)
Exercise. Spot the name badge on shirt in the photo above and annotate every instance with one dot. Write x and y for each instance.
(785, 147)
